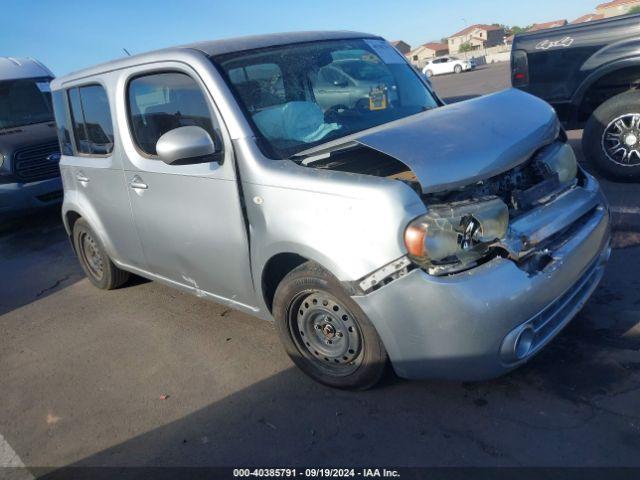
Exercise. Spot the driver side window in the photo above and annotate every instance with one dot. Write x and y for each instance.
(161, 102)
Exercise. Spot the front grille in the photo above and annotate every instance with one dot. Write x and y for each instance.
(30, 163)
(548, 322)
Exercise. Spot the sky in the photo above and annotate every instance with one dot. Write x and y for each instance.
(68, 35)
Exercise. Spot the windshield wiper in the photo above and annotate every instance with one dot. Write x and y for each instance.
(320, 151)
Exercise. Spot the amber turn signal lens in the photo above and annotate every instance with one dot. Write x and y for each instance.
(414, 237)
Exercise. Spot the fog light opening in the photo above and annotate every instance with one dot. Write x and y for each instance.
(524, 342)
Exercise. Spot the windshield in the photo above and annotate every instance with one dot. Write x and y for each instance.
(25, 101)
(299, 96)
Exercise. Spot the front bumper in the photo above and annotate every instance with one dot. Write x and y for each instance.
(472, 325)
(20, 197)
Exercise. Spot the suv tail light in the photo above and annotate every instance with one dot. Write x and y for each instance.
(519, 68)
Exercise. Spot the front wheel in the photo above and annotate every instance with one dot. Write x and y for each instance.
(325, 332)
(429, 73)
(457, 69)
(611, 138)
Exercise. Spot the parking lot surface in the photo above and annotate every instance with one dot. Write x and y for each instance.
(148, 376)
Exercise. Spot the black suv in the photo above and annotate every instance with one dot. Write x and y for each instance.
(590, 73)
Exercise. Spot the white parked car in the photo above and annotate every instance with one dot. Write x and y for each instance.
(442, 65)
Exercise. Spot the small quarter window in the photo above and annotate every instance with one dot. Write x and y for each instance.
(62, 125)
(91, 116)
(162, 102)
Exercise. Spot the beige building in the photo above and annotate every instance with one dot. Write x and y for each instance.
(402, 47)
(616, 7)
(478, 36)
(427, 51)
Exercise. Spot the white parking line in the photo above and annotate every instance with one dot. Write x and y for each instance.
(627, 210)
(9, 459)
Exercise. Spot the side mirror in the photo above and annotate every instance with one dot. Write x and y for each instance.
(185, 145)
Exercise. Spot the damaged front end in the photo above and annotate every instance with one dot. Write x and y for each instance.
(495, 183)
(468, 226)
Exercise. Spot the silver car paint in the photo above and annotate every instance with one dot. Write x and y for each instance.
(351, 224)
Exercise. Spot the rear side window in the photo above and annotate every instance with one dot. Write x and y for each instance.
(91, 117)
(62, 124)
(162, 102)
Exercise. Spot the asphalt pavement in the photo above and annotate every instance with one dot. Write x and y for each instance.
(149, 376)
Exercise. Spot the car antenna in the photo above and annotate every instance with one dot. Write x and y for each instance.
(126, 51)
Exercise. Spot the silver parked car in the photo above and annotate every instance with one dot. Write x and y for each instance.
(453, 241)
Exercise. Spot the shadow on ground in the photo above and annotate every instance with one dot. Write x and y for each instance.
(36, 259)
(574, 404)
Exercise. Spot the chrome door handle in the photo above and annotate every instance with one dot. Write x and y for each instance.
(81, 178)
(138, 184)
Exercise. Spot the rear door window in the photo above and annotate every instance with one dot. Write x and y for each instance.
(91, 117)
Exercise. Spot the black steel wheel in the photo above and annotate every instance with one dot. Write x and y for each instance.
(94, 259)
(325, 332)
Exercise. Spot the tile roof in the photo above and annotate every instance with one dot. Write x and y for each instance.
(479, 26)
(589, 17)
(544, 26)
(436, 46)
(615, 3)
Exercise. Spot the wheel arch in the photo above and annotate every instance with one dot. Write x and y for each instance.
(274, 271)
(626, 73)
(69, 218)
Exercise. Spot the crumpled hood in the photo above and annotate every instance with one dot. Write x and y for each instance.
(462, 143)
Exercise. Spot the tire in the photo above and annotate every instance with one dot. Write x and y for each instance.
(598, 149)
(457, 69)
(94, 260)
(429, 73)
(325, 332)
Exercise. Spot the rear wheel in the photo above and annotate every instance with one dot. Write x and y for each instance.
(611, 138)
(429, 73)
(457, 69)
(324, 331)
(94, 260)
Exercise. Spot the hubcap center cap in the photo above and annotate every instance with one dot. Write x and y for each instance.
(328, 331)
(631, 140)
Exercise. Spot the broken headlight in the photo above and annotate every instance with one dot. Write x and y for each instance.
(563, 162)
(456, 233)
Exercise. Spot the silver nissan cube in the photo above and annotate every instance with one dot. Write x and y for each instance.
(314, 179)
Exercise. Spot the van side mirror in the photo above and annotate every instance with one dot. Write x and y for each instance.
(186, 145)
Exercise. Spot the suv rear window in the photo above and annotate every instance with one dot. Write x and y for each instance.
(91, 117)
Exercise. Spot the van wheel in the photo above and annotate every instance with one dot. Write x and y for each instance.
(94, 260)
(457, 69)
(325, 332)
(611, 138)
